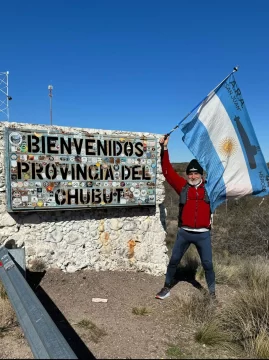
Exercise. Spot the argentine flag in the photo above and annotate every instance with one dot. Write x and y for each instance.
(222, 139)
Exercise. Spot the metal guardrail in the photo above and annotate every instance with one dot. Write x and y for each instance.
(43, 336)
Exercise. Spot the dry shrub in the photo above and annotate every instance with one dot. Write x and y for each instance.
(186, 270)
(248, 313)
(244, 320)
(174, 352)
(3, 294)
(143, 310)
(196, 308)
(260, 345)
(7, 314)
(242, 227)
(200, 273)
(189, 264)
(172, 229)
(234, 270)
(37, 265)
(225, 274)
(211, 333)
(254, 273)
(191, 258)
(247, 319)
(95, 333)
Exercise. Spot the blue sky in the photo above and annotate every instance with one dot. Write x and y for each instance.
(133, 65)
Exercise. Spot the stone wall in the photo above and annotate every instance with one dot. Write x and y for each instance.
(99, 239)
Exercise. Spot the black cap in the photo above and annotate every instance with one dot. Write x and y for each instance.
(195, 167)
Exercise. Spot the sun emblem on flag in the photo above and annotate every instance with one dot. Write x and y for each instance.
(228, 146)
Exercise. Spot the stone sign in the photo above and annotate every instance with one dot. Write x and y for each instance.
(50, 169)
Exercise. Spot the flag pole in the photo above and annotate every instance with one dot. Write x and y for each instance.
(218, 86)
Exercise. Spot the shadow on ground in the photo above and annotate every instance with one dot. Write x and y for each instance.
(187, 272)
(75, 342)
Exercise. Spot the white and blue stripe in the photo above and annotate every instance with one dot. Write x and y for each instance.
(223, 116)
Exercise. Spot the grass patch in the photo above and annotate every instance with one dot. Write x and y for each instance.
(2, 332)
(210, 333)
(5, 329)
(251, 272)
(254, 273)
(93, 330)
(260, 345)
(190, 261)
(3, 294)
(143, 310)
(244, 320)
(197, 307)
(224, 274)
(174, 352)
(248, 314)
(7, 314)
(37, 265)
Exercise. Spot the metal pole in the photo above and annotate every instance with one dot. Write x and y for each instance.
(4, 97)
(7, 99)
(50, 87)
(219, 85)
(50, 110)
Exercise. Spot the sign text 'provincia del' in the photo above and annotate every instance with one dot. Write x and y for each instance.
(49, 170)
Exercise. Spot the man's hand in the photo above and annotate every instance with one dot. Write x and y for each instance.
(163, 141)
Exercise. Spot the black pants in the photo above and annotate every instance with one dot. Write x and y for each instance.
(202, 241)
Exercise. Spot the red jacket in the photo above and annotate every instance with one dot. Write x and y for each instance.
(196, 212)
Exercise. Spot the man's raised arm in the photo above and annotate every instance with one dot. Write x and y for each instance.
(177, 182)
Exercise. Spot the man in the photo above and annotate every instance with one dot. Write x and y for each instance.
(194, 220)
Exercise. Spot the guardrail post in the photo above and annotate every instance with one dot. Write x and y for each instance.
(17, 254)
(43, 336)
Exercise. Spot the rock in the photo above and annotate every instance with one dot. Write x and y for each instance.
(42, 253)
(105, 238)
(30, 251)
(129, 226)
(114, 236)
(71, 269)
(145, 225)
(92, 226)
(101, 227)
(99, 300)
(7, 220)
(74, 238)
(93, 235)
(54, 237)
(115, 224)
(2, 207)
(76, 226)
(11, 232)
(19, 243)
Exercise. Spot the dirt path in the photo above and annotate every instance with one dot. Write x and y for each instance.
(111, 330)
(127, 335)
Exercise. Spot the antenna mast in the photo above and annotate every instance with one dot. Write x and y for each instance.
(50, 88)
(4, 97)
